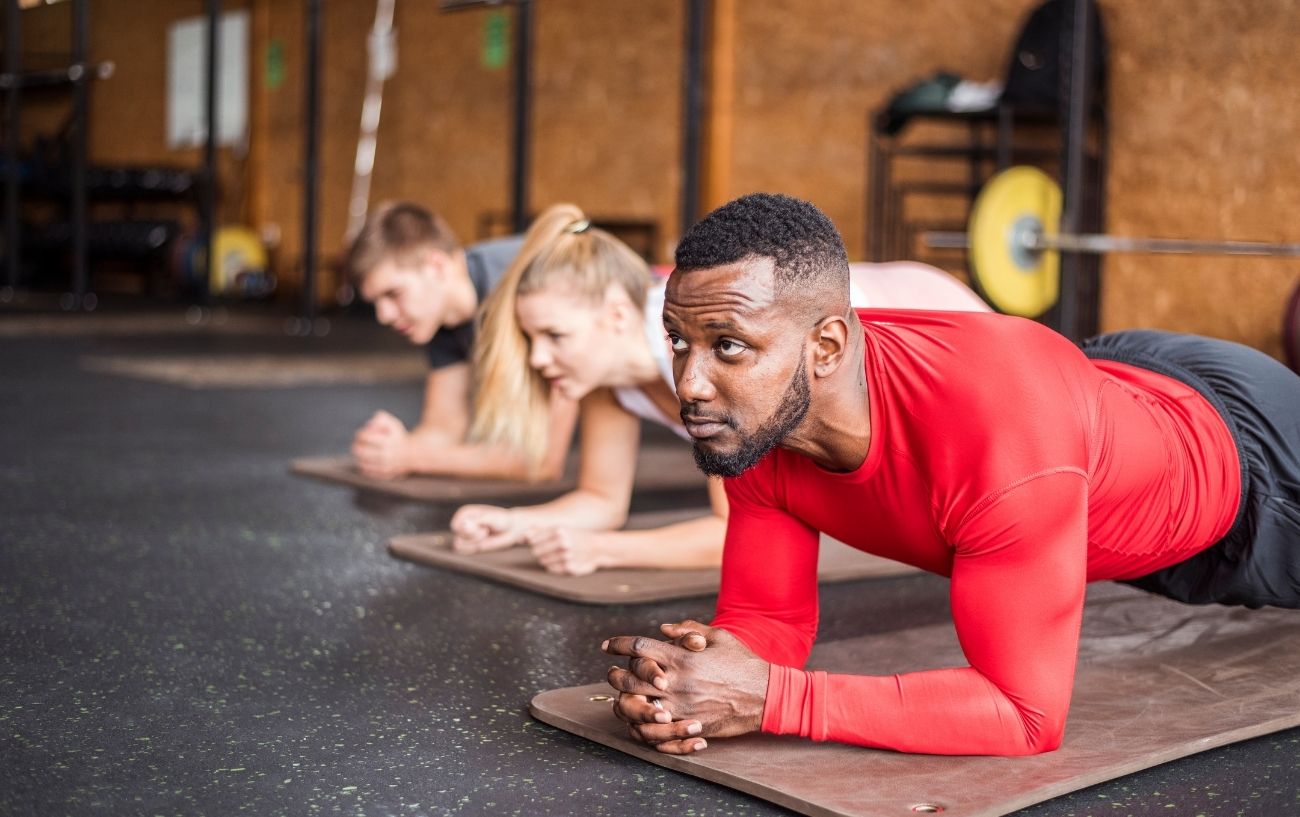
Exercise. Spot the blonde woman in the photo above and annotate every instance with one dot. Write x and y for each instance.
(579, 316)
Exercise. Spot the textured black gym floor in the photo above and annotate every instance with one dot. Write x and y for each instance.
(188, 630)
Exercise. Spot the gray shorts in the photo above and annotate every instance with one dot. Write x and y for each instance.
(1258, 562)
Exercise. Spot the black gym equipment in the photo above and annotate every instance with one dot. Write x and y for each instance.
(1056, 78)
(1080, 299)
(13, 65)
(208, 207)
(694, 102)
(76, 75)
(1291, 330)
(310, 165)
(59, 171)
(1016, 240)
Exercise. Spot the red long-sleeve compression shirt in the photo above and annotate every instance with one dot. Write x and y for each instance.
(1003, 458)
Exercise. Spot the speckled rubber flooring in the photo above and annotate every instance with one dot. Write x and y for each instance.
(188, 630)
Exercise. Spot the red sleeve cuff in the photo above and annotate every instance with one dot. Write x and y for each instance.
(796, 703)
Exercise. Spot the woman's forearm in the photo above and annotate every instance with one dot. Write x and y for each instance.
(582, 509)
(433, 453)
(696, 543)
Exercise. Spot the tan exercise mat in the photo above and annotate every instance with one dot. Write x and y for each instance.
(20, 324)
(263, 371)
(1157, 681)
(517, 567)
(658, 467)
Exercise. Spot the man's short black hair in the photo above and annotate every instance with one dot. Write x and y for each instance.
(802, 242)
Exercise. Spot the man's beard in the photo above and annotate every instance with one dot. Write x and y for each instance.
(787, 417)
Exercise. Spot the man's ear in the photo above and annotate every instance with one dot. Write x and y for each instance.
(437, 263)
(831, 339)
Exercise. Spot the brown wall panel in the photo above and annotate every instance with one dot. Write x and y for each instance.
(608, 109)
(1203, 144)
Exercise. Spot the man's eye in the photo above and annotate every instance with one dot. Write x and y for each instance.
(555, 337)
(729, 348)
(678, 344)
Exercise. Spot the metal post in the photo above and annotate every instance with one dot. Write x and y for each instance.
(311, 161)
(693, 110)
(522, 114)
(80, 87)
(878, 185)
(1006, 126)
(1097, 211)
(208, 213)
(13, 67)
(1078, 100)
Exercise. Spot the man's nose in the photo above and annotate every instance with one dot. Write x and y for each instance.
(693, 381)
(385, 311)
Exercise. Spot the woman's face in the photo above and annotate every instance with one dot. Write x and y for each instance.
(569, 339)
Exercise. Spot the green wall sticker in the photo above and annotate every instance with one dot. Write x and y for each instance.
(274, 64)
(496, 39)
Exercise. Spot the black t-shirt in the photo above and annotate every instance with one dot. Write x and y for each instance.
(486, 263)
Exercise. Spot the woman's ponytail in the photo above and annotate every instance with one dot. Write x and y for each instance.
(511, 401)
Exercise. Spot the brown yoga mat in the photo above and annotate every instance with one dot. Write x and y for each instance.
(1157, 681)
(55, 324)
(658, 467)
(263, 371)
(517, 567)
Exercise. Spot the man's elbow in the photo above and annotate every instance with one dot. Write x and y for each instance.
(1020, 732)
(1044, 736)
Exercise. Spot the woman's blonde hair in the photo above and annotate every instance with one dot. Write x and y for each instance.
(560, 249)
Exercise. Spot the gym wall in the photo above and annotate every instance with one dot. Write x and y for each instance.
(1202, 133)
(1203, 144)
(1203, 125)
(606, 112)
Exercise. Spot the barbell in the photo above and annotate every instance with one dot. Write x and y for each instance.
(1014, 242)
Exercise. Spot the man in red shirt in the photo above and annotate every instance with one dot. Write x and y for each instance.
(982, 447)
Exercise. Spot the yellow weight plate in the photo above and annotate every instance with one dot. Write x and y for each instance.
(1016, 280)
(238, 251)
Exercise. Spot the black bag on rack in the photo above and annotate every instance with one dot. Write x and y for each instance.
(1034, 74)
